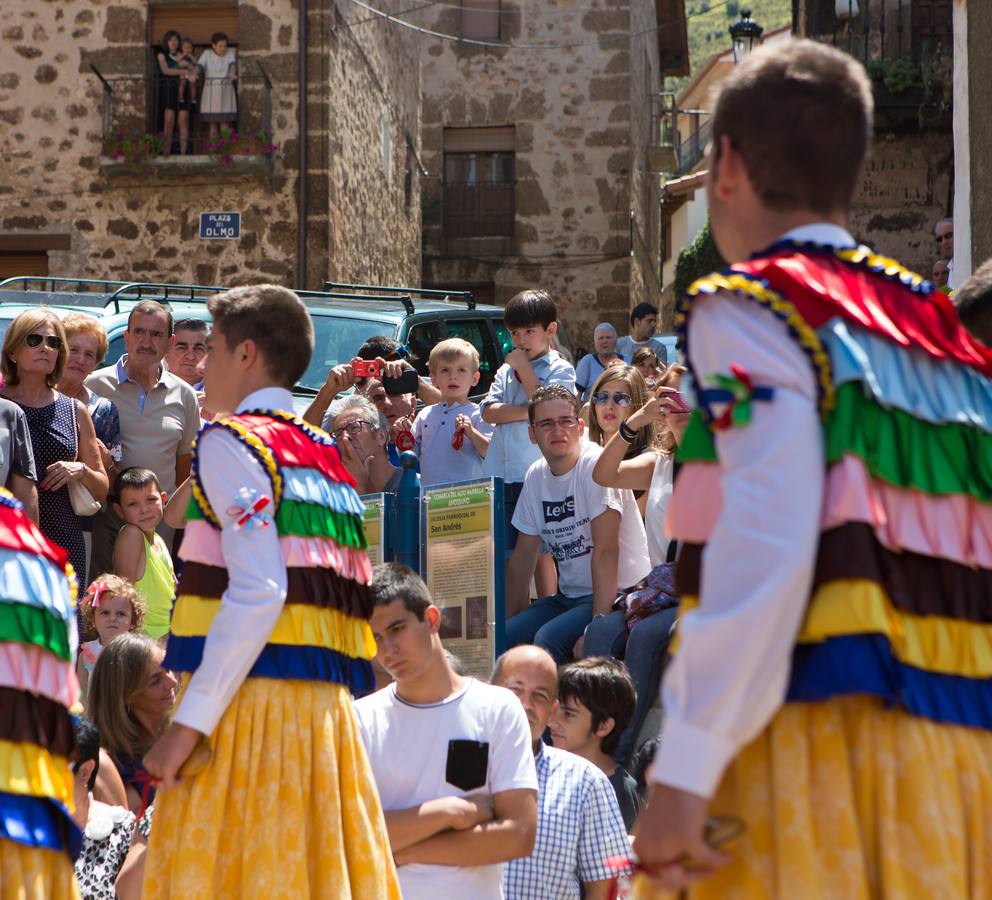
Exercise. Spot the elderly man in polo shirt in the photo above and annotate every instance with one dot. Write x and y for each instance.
(158, 411)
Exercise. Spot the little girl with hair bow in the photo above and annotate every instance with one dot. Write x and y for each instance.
(111, 606)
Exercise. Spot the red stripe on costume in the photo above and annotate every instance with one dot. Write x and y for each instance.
(821, 285)
(19, 533)
(294, 446)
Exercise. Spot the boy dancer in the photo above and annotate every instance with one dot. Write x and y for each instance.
(847, 723)
(270, 632)
(38, 838)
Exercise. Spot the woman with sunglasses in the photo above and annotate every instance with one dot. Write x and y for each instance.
(62, 434)
(639, 629)
(617, 393)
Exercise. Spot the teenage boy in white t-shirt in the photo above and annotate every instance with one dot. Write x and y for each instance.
(595, 534)
(451, 756)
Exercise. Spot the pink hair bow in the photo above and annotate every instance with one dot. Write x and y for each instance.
(94, 592)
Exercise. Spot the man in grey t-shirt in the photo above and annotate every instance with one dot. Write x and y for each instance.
(17, 469)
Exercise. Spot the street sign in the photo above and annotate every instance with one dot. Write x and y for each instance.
(220, 226)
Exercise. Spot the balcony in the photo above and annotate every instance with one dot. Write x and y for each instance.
(135, 139)
(905, 45)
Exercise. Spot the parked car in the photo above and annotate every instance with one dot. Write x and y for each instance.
(343, 317)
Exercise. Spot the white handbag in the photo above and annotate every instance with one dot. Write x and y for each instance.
(83, 502)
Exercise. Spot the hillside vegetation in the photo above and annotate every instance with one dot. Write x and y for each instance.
(709, 21)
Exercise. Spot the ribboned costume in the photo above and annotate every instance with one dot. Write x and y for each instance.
(270, 633)
(835, 511)
(38, 686)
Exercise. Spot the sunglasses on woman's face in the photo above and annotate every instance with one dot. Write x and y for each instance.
(601, 398)
(53, 341)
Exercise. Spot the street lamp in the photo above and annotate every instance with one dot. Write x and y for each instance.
(745, 33)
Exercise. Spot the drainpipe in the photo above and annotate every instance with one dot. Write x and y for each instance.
(301, 203)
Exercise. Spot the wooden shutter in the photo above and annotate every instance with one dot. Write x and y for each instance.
(14, 262)
(479, 140)
(196, 22)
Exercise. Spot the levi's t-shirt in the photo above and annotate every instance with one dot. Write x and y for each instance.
(560, 508)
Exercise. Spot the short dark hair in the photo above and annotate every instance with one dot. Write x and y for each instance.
(376, 346)
(150, 308)
(394, 581)
(87, 748)
(974, 302)
(531, 307)
(135, 477)
(197, 325)
(800, 115)
(552, 392)
(219, 36)
(275, 319)
(642, 311)
(604, 687)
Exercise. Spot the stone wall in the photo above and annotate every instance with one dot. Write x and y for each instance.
(580, 131)
(145, 226)
(905, 190)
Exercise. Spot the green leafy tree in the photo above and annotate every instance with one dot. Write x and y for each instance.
(698, 259)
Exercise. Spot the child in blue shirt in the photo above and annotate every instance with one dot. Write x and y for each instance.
(531, 318)
(451, 437)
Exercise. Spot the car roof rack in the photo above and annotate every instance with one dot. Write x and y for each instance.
(405, 299)
(39, 289)
(160, 291)
(440, 294)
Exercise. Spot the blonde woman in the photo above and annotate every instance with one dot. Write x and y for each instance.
(617, 393)
(87, 346)
(639, 632)
(129, 700)
(62, 434)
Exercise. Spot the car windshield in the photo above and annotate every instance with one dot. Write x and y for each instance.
(336, 340)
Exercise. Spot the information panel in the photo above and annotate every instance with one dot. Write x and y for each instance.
(460, 561)
(375, 526)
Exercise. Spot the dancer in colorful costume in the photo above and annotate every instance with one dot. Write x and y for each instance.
(270, 632)
(832, 686)
(38, 686)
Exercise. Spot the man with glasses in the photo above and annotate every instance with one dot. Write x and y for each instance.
(158, 411)
(594, 534)
(361, 433)
(943, 235)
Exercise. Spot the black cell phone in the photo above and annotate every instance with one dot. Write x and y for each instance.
(407, 383)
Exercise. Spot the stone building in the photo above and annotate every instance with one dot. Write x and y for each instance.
(79, 111)
(536, 138)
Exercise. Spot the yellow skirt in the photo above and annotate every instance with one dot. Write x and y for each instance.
(848, 799)
(287, 806)
(30, 873)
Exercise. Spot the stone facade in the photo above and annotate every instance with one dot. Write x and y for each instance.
(363, 220)
(586, 208)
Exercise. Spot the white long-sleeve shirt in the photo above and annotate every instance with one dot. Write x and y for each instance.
(257, 583)
(731, 671)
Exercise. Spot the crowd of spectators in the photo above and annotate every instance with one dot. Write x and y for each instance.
(581, 485)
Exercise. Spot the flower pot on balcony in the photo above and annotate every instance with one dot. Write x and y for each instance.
(662, 158)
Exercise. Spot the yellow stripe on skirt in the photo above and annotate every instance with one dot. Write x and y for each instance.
(35, 873)
(850, 800)
(287, 806)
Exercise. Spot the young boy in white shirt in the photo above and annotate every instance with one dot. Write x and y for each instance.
(451, 436)
(451, 756)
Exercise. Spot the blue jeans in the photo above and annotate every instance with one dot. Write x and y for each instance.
(645, 653)
(554, 623)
